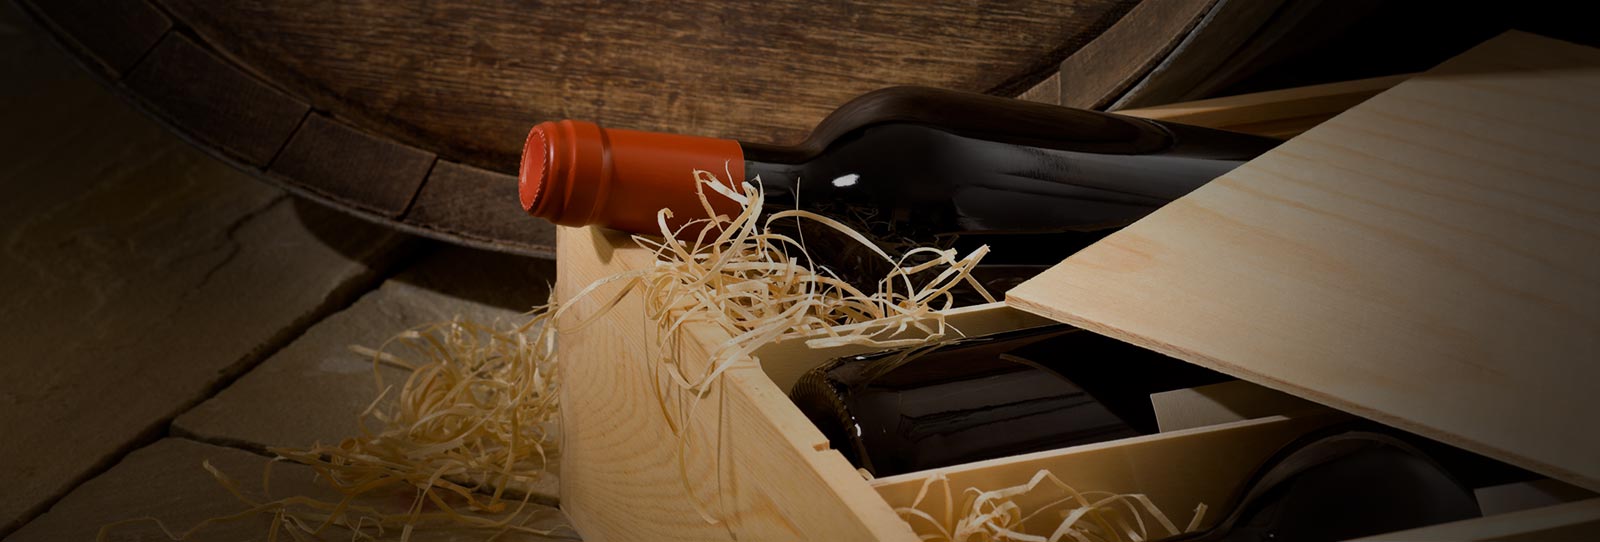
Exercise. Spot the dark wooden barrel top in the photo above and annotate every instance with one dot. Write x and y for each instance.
(413, 113)
(467, 78)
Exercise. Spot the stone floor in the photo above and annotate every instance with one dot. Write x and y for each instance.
(160, 309)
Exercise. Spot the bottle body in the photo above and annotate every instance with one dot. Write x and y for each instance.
(987, 397)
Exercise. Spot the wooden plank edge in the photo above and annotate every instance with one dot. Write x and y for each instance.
(1106, 67)
(803, 439)
(1047, 91)
(1271, 106)
(1303, 392)
(1221, 403)
(353, 167)
(1176, 470)
(1130, 442)
(419, 229)
(785, 361)
(473, 202)
(1225, 28)
(773, 431)
(189, 85)
(112, 81)
(413, 228)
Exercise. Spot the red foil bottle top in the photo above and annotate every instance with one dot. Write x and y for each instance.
(576, 173)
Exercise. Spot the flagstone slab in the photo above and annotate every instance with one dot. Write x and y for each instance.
(137, 273)
(314, 389)
(166, 482)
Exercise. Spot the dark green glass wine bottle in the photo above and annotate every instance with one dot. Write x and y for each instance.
(986, 397)
(917, 162)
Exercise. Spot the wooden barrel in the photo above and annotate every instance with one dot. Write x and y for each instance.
(412, 113)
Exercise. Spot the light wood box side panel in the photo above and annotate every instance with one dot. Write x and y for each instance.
(1221, 403)
(751, 460)
(1177, 470)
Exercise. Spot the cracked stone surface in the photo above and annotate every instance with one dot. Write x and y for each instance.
(165, 481)
(136, 273)
(313, 389)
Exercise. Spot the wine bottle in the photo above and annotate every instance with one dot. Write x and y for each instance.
(985, 397)
(906, 162)
(1340, 483)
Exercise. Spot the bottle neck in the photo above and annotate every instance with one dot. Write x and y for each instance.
(778, 181)
(577, 173)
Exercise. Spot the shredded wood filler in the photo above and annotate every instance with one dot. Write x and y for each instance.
(472, 418)
(758, 286)
(739, 274)
(994, 515)
(471, 421)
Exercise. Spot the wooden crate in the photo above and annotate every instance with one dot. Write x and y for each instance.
(743, 463)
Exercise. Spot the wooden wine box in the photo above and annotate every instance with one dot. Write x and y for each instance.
(1379, 264)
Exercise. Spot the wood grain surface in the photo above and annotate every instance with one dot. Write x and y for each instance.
(1177, 470)
(752, 456)
(220, 105)
(786, 361)
(463, 81)
(353, 167)
(1104, 69)
(1194, 54)
(370, 88)
(641, 460)
(1275, 113)
(1241, 37)
(455, 200)
(467, 79)
(1426, 259)
(1221, 403)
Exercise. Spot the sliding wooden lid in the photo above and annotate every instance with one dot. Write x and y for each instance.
(1429, 259)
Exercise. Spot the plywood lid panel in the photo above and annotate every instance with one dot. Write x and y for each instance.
(1429, 259)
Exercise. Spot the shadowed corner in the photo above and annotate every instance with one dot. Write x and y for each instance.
(505, 281)
(1522, 66)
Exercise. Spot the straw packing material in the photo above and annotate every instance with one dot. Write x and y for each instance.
(997, 515)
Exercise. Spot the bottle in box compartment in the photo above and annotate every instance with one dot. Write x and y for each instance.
(985, 397)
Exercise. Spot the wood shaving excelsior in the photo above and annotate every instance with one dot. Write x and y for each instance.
(994, 515)
(758, 286)
(470, 421)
